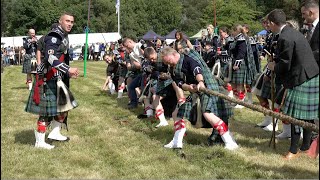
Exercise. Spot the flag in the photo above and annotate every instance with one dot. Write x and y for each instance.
(117, 6)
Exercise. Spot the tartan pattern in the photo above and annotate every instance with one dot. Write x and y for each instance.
(239, 76)
(302, 102)
(26, 66)
(48, 104)
(162, 85)
(209, 103)
(251, 65)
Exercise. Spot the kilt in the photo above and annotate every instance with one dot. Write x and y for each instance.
(224, 70)
(162, 86)
(185, 108)
(239, 76)
(209, 103)
(48, 104)
(302, 102)
(26, 66)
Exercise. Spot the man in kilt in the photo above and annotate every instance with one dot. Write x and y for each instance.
(262, 88)
(163, 88)
(43, 98)
(191, 73)
(30, 45)
(298, 70)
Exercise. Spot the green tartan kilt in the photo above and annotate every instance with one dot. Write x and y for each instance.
(302, 102)
(185, 108)
(209, 103)
(249, 77)
(239, 76)
(224, 69)
(162, 86)
(26, 66)
(48, 104)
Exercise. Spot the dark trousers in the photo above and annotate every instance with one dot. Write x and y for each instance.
(295, 137)
(136, 82)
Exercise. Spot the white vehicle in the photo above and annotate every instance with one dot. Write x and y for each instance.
(77, 52)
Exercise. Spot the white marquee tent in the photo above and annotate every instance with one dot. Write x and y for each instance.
(74, 39)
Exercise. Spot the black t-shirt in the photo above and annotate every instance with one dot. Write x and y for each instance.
(112, 68)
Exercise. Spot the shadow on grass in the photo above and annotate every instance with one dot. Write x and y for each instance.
(25, 137)
(20, 87)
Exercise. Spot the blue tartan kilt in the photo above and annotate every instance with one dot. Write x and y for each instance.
(302, 102)
(239, 76)
(48, 103)
(26, 66)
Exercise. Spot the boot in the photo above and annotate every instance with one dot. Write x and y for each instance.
(214, 138)
(55, 133)
(270, 126)
(229, 142)
(286, 133)
(40, 141)
(266, 121)
(176, 142)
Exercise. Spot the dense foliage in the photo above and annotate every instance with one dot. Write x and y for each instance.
(138, 16)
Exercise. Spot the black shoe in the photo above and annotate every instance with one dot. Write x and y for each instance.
(142, 116)
(214, 140)
(132, 106)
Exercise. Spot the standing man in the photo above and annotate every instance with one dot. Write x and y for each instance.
(43, 97)
(30, 45)
(310, 13)
(299, 73)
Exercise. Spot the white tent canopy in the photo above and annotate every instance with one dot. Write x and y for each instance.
(74, 39)
(198, 35)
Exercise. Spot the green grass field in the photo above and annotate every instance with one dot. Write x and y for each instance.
(109, 142)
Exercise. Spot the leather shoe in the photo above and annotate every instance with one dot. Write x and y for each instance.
(290, 156)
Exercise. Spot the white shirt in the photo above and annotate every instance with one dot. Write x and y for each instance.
(136, 53)
(314, 24)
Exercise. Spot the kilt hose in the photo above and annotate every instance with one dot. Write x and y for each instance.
(26, 66)
(48, 103)
(302, 102)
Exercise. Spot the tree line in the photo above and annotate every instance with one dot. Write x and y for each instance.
(139, 16)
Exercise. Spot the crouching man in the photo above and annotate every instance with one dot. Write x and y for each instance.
(191, 73)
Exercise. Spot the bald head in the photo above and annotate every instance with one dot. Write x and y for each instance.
(32, 33)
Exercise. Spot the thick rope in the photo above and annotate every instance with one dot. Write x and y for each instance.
(263, 110)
